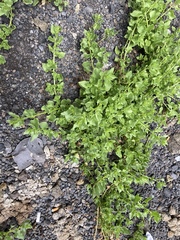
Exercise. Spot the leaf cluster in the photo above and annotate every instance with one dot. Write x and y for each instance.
(60, 4)
(6, 8)
(50, 110)
(16, 233)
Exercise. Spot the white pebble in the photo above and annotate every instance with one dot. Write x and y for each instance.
(149, 236)
(38, 217)
(177, 158)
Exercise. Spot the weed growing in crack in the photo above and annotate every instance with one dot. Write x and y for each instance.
(108, 126)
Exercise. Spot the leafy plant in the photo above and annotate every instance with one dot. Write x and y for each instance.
(6, 8)
(31, 2)
(16, 233)
(60, 4)
(109, 127)
(35, 127)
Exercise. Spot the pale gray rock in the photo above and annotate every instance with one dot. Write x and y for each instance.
(149, 236)
(27, 152)
(23, 159)
(177, 158)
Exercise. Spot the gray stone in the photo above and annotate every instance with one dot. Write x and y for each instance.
(167, 192)
(35, 146)
(2, 148)
(20, 147)
(8, 148)
(88, 10)
(23, 159)
(27, 152)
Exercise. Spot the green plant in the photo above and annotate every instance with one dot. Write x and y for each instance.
(16, 233)
(6, 8)
(31, 2)
(108, 127)
(60, 4)
(51, 109)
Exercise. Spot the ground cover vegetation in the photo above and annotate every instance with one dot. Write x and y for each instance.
(16, 232)
(118, 118)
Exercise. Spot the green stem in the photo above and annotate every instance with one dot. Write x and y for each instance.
(164, 14)
(11, 18)
(54, 61)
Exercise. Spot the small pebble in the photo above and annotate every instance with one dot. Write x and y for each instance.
(177, 158)
(38, 217)
(167, 192)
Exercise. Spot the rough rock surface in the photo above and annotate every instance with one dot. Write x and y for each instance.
(164, 165)
(57, 189)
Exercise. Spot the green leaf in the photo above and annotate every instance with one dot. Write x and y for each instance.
(119, 152)
(49, 66)
(136, 13)
(68, 116)
(2, 236)
(13, 115)
(99, 188)
(30, 113)
(28, 2)
(98, 116)
(15, 120)
(156, 216)
(50, 88)
(97, 21)
(20, 233)
(83, 84)
(33, 133)
(117, 51)
(27, 225)
(55, 29)
(8, 237)
(35, 2)
(87, 66)
(141, 29)
(108, 77)
(154, 14)
(34, 123)
(160, 184)
(59, 54)
(43, 125)
(2, 59)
